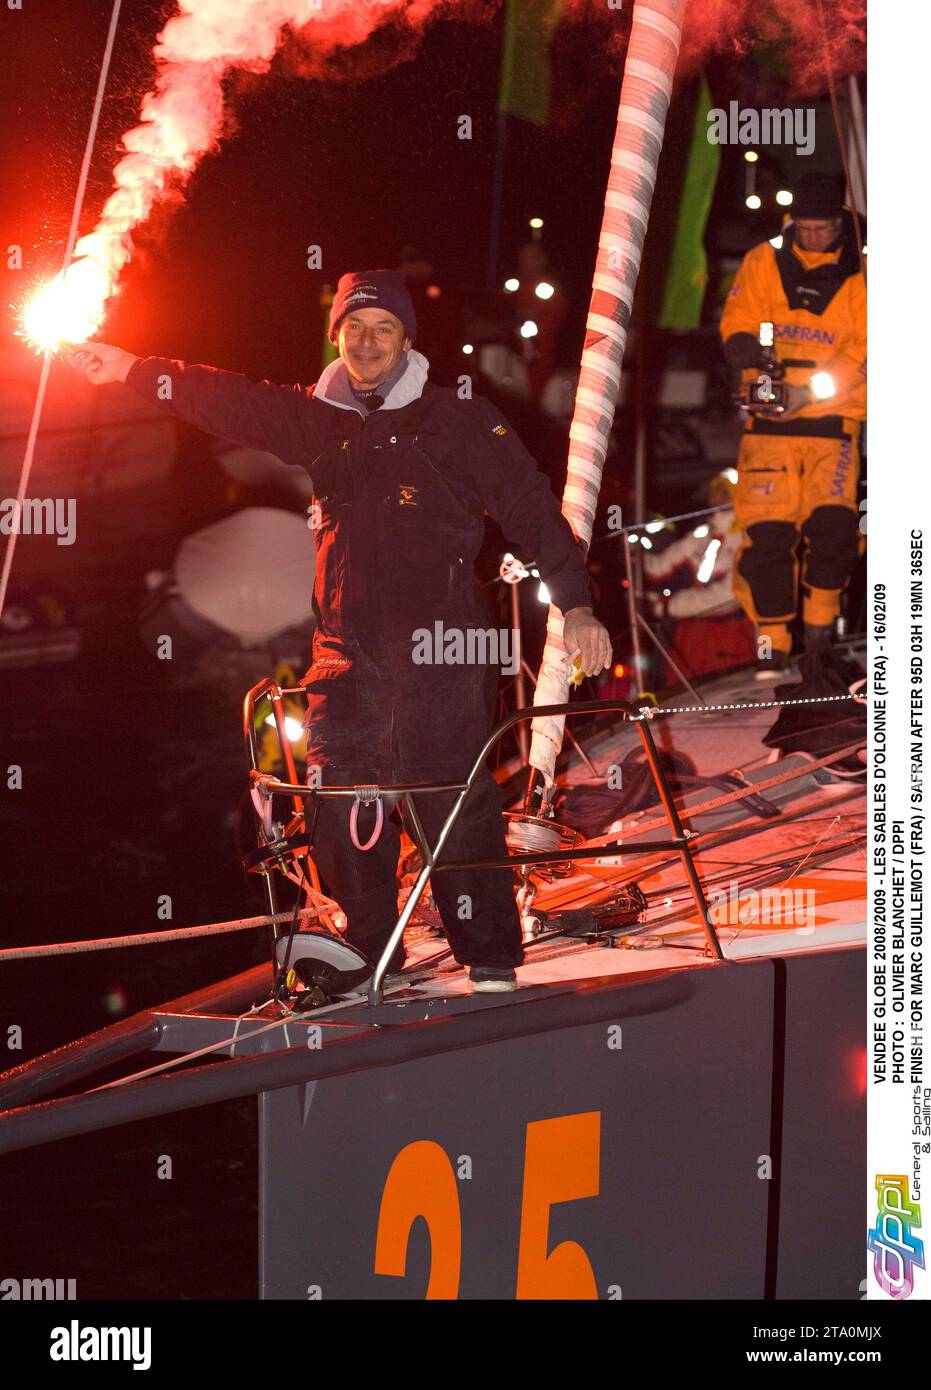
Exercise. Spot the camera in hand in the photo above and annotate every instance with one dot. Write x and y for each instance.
(768, 392)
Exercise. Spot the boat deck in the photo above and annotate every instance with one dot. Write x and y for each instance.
(795, 881)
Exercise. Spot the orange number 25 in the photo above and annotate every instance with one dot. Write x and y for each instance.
(561, 1164)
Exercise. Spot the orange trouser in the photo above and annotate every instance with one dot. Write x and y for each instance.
(796, 503)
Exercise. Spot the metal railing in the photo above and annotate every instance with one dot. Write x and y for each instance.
(678, 841)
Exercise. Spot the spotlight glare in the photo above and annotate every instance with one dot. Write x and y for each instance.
(706, 568)
(822, 385)
(293, 727)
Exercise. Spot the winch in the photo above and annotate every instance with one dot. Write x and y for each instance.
(529, 834)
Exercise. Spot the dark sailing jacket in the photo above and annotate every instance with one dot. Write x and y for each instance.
(400, 492)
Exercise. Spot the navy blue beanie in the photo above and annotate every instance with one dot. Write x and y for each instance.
(372, 289)
(818, 196)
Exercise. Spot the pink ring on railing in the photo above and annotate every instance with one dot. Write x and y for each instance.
(364, 797)
(262, 803)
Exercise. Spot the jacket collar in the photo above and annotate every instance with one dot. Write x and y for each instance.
(333, 385)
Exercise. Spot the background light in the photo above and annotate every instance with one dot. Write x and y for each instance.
(822, 385)
(511, 285)
(754, 201)
(784, 198)
(293, 727)
(536, 223)
(706, 568)
(544, 290)
(528, 329)
(467, 348)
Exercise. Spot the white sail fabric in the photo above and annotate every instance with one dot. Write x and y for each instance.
(251, 574)
(257, 468)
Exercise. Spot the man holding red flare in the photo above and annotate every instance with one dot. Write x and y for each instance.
(403, 473)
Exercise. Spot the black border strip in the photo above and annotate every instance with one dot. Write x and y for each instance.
(777, 1109)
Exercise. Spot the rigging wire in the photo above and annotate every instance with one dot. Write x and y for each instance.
(29, 453)
(835, 112)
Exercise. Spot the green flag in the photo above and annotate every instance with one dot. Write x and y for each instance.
(529, 26)
(687, 276)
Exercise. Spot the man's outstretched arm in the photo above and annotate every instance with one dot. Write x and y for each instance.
(226, 404)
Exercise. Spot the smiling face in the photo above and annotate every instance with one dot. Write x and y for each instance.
(816, 234)
(371, 343)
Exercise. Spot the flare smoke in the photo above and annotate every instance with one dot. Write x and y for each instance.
(181, 120)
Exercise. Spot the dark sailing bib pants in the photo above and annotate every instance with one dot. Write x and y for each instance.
(397, 549)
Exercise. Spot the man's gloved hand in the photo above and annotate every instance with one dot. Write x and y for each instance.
(797, 397)
(99, 363)
(742, 350)
(584, 636)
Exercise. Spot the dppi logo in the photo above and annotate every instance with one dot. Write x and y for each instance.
(842, 468)
(896, 1251)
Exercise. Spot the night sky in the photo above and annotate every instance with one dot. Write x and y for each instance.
(362, 164)
(361, 167)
